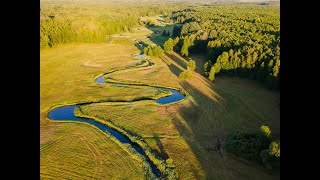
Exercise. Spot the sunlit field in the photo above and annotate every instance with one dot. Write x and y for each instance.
(179, 138)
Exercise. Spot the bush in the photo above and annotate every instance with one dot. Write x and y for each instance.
(191, 65)
(265, 130)
(274, 149)
(270, 158)
(185, 75)
(246, 145)
(156, 51)
(255, 146)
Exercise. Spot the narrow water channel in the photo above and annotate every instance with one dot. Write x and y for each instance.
(68, 113)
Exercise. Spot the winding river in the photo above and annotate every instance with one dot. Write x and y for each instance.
(68, 113)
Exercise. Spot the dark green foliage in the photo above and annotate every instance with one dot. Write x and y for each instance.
(266, 159)
(176, 31)
(164, 33)
(207, 67)
(243, 39)
(246, 145)
(270, 157)
(255, 146)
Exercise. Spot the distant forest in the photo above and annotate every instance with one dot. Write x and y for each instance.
(64, 23)
(238, 39)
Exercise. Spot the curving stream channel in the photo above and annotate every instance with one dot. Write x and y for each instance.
(68, 113)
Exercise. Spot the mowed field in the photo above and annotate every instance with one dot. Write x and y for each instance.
(182, 131)
(76, 150)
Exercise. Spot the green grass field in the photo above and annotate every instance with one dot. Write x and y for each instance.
(67, 77)
(182, 131)
(78, 151)
(212, 110)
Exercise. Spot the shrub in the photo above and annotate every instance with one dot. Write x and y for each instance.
(245, 145)
(185, 75)
(191, 65)
(156, 51)
(270, 157)
(265, 130)
(255, 146)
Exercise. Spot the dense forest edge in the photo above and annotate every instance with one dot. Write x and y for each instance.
(238, 40)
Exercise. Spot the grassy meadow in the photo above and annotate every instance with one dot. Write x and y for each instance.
(79, 151)
(67, 77)
(183, 132)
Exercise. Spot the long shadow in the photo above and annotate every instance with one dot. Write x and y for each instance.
(196, 115)
(162, 153)
(174, 69)
(204, 119)
(191, 115)
(200, 59)
(177, 60)
(202, 129)
(204, 134)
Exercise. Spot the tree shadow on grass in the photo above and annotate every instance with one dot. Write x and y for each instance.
(195, 122)
(162, 151)
(173, 68)
(177, 60)
(201, 130)
(199, 122)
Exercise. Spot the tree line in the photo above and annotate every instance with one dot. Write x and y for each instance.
(70, 22)
(238, 40)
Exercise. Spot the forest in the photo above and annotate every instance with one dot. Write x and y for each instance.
(238, 40)
(62, 23)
